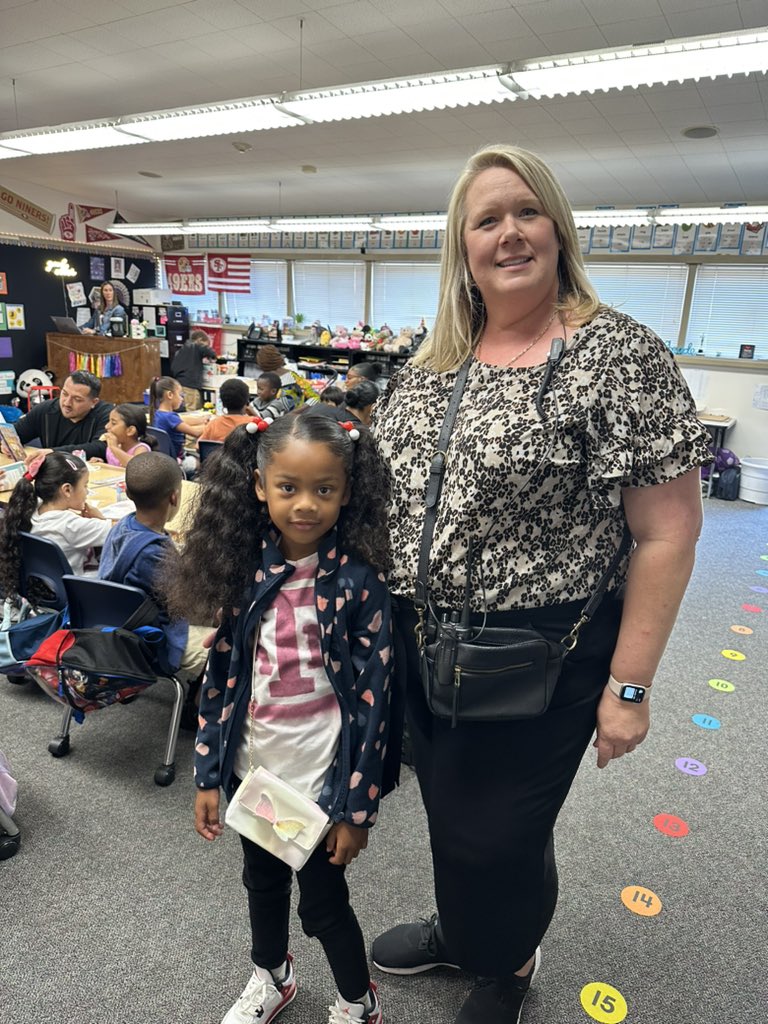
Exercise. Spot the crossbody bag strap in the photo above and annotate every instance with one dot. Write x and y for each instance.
(435, 483)
(589, 609)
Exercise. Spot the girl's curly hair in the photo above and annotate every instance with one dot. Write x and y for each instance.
(222, 548)
(56, 469)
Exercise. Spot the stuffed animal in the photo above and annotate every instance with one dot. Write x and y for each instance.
(402, 343)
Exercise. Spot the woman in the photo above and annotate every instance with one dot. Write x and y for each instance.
(542, 476)
(100, 322)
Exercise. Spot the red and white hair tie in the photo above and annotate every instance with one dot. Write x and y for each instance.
(349, 426)
(256, 423)
(34, 467)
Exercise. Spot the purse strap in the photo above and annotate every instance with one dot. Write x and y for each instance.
(432, 499)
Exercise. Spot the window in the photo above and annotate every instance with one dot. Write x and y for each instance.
(403, 293)
(728, 310)
(651, 293)
(331, 292)
(268, 296)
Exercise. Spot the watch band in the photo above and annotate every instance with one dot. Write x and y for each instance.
(633, 693)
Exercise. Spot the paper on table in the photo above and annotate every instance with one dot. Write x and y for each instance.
(82, 316)
(118, 509)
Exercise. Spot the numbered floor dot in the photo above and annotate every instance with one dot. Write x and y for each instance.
(706, 721)
(754, 608)
(690, 766)
(764, 558)
(742, 630)
(722, 685)
(762, 572)
(671, 825)
(733, 655)
(603, 1002)
(641, 901)
(759, 590)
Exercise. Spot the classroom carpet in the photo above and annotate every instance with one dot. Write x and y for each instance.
(114, 910)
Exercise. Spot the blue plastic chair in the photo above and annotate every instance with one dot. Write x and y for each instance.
(43, 560)
(93, 602)
(207, 448)
(163, 439)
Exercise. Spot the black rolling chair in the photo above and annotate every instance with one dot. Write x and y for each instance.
(93, 602)
(163, 439)
(207, 448)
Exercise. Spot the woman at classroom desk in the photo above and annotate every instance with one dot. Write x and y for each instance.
(100, 322)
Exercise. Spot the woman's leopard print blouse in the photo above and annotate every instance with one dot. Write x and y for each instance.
(544, 497)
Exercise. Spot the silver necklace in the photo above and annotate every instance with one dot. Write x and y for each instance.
(535, 341)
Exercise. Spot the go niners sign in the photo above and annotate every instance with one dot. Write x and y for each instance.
(185, 274)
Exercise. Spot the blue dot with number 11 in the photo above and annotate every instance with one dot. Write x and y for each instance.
(706, 721)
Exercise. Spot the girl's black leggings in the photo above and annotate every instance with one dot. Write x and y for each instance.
(493, 790)
(324, 910)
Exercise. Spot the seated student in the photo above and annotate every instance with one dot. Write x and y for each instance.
(332, 396)
(165, 398)
(126, 434)
(134, 552)
(267, 403)
(357, 408)
(235, 397)
(49, 501)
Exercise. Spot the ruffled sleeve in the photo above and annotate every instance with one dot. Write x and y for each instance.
(642, 427)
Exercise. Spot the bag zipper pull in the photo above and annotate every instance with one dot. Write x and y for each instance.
(456, 694)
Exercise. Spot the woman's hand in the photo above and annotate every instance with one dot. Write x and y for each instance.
(88, 330)
(207, 822)
(620, 727)
(345, 842)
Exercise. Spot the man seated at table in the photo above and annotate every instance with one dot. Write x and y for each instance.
(72, 422)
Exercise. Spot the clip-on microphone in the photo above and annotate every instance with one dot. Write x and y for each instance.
(556, 353)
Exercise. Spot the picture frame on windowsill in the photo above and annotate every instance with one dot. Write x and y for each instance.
(746, 351)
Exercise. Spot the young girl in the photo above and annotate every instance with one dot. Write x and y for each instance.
(50, 501)
(290, 541)
(126, 434)
(165, 399)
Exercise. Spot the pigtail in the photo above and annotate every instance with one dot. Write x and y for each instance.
(222, 548)
(157, 389)
(363, 528)
(18, 516)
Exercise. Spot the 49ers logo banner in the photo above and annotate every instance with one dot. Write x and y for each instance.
(185, 274)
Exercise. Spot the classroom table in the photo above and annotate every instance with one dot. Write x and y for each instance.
(718, 426)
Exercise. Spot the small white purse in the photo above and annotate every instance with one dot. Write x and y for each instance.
(274, 815)
(277, 817)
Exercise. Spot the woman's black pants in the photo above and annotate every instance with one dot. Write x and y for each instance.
(493, 790)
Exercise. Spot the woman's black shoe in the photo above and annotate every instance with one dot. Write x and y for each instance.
(498, 1000)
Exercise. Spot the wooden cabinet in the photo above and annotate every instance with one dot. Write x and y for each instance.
(140, 358)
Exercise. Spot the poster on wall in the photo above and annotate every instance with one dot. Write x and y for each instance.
(132, 273)
(76, 293)
(82, 316)
(641, 236)
(663, 236)
(117, 264)
(6, 348)
(3, 318)
(229, 273)
(620, 238)
(15, 317)
(601, 236)
(730, 238)
(92, 212)
(754, 234)
(684, 239)
(3, 284)
(706, 238)
(97, 268)
(26, 210)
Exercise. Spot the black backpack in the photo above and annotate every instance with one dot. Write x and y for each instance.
(727, 484)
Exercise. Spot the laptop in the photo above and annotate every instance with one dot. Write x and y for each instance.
(66, 325)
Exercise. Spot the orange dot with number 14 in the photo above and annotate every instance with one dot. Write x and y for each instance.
(641, 901)
(742, 630)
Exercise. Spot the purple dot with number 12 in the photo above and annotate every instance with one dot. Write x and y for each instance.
(760, 590)
(690, 766)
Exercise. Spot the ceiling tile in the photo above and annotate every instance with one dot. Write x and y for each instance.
(224, 14)
(636, 31)
(566, 14)
(359, 16)
(494, 25)
(698, 22)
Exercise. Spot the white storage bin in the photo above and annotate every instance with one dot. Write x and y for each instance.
(754, 481)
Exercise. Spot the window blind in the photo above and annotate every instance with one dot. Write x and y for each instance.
(403, 293)
(268, 296)
(728, 310)
(331, 292)
(652, 294)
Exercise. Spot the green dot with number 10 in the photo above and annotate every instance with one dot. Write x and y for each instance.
(722, 685)
(603, 1002)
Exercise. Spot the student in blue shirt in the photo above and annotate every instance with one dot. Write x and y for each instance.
(165, 399)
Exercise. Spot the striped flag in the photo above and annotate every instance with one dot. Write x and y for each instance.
(229, 273)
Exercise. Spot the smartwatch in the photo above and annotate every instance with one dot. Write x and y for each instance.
(632, 693)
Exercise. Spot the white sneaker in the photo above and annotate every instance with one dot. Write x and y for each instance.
(262, 998)
(357, 1011)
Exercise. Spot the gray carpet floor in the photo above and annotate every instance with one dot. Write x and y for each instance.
(115, 911)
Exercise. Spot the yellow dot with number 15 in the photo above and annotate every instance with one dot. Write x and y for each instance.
(603, 1002)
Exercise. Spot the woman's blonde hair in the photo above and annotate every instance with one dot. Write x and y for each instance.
(460, 310)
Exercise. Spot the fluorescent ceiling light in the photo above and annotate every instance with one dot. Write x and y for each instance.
(713, 215)
(215, 119)
(67, 139)
(169, 228)
(593, 218)
(401, 96)
(244, 224)
(674, 60)
(417, 222)
(340, 223)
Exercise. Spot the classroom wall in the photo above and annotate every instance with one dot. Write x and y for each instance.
(734, 391)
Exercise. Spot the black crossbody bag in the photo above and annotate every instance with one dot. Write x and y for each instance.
(486, 673)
